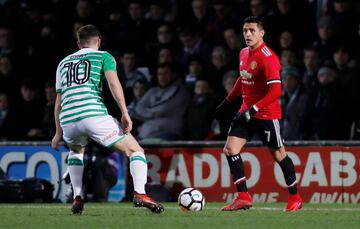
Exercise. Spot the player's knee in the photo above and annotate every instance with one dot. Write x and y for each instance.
(278, 155)
(76, 148)
(133, 148)
(228, 150)
(130, 153)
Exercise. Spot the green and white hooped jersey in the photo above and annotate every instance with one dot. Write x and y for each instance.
(79, 80)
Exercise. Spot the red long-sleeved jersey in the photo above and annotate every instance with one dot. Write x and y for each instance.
(259, 82)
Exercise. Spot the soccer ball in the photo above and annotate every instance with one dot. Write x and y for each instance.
(191, 199)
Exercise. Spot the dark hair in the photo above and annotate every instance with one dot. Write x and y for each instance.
(167, 65)
(87, 32)
(311, 48)
(29, 84)
(174, 68)
(255, 19)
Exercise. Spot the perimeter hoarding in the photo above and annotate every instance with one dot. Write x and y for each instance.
(326, 174)
(33, 160)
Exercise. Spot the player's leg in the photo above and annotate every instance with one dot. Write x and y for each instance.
(75, 164)
(107, 131)
(76, 142)
(269, 133)
(287, 167)
(238, 134)
(138, 171)
(232, 150)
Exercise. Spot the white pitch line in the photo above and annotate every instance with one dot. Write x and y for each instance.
(177, 208)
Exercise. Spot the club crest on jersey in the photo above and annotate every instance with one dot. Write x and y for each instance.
(253, 65)
(241, 62)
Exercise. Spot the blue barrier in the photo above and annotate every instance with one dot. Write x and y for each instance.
(25, 160)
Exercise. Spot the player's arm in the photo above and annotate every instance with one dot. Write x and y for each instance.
(118, 95)
(236, 91)
(273, 93)
(58, 134)
(57, 110)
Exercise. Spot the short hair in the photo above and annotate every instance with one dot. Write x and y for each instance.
(29, 84)
(255, 19)
(86, 32)
(174, 68)
(167, 65)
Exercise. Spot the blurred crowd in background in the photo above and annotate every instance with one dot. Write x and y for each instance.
(177, 59)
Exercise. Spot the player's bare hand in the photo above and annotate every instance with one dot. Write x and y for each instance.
(126, 123)
(55, 142)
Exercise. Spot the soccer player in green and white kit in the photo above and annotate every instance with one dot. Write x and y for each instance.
(80, 113)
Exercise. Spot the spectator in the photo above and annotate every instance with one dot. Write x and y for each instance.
(166, 55)
(195, 72)
(200, 15)
(198, 121)
(234, 42)
(44, 47)
(135, 32)
(229, 80)
(85, 11)
(288, 58)
(29, 124)
(193, 45)
(222, 127)
(165, 39)
(7, 43)
(48, 124)
(258, 8)
(155, 17)
(7, 121)
(324, 116)
(163, 106)
(286, 41)
(138, 91)
(219, 66)
(129, 73)
(348, 77)
(165, 36)
(326, 43)
(312, 63)
(8, 78)
(71, 45)
(293, 103)
(286, 17)
(346, 19)
(222, 18)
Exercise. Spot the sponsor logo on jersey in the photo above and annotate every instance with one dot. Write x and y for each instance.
(245, 75)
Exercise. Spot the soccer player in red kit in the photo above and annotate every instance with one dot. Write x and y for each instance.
(260, 86)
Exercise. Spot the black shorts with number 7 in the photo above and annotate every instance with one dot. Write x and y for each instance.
(267, 130)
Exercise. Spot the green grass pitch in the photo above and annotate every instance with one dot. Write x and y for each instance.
(124, 215)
